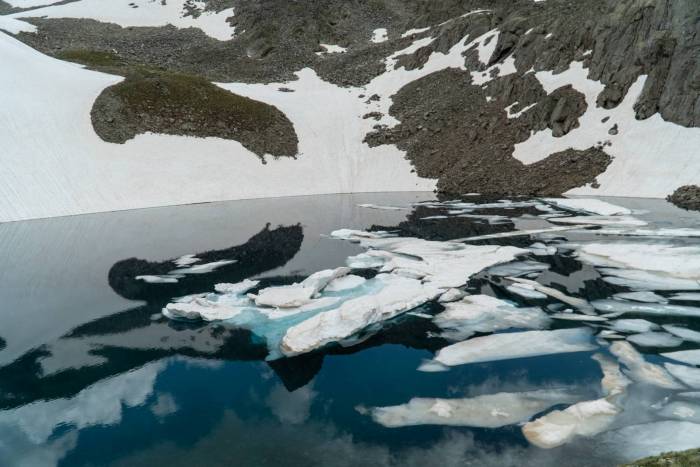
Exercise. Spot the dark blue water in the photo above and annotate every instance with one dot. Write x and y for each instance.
(93, 374)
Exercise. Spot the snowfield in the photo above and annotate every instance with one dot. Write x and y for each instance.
(52, 162)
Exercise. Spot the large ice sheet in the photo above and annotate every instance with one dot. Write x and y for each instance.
(638, 441)
(487, 411)
(397, 295)
(512, 345)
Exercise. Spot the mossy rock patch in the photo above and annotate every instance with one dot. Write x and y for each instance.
(179, 104)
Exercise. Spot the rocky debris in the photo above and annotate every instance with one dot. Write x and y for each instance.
(451, 132)
(686, 197)
(169, 103)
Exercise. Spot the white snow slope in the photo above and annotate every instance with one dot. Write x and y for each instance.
(52, 162)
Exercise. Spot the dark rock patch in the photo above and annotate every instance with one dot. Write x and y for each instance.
(686, 197)
(451, 132)
(171, 103)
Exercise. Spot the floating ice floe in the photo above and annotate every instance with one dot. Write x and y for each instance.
(633, 325)
(672, 260)
(203, 268)
(640, 370)
(344, 283)
(560, 426)
(452, 295)
(681, 411)
(575, 302)
(691, 357)
(645, 297)
(238, 288)
(487, 411)
(397, 295)
(512, 345)
(589, 205)
(186, 260)
(577, 317)
(525, 291)
(521, 233)
(599, 220)
(686, 297)
(684, 333)
(201, 308)
(645, 280)
(655, 309)
(518, 268)
(540, 249)
(655, 339)
(587, 418)
(485, 314)
(296, 295)
(157, 279)
(687, 374)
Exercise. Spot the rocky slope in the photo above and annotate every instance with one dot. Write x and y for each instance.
(495, 96)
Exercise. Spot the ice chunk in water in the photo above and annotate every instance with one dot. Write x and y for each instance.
(578, 303)
(560, 426)
(590, 206)
(656, 309)
(577, 317)
(452, 295)
(396, 295)
(634, 325)
(684, 333)
(238, 288)
(482, 313)
(516, 269)
(645, 297)
(204, 268)
(158, 279)
(640, 370)
(614, 382)
(691, 357)
(526, 291)
(686, 297)
(201, 308)
(674, 261)
(681, 411)
(512, 345)
(296, 295)
(687, 374)
(655, 339)
(488, 411)
(645, 280)
(344, 283)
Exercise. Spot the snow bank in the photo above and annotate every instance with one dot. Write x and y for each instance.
(128, 13)
(637, 168)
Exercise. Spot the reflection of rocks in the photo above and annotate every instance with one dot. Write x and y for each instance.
(266, 250)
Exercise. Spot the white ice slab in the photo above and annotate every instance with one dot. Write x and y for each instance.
(645, 297)
(681, 411)
(655, 339)
(684, 333)
(640, 370)
(691, 357)
(589, 206)
(512, 345)
(687, 374)
(653, 309)
(633, 325)
(599, 220)
(488, 411)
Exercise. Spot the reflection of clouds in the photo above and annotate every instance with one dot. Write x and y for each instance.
(268, 443)
(291, 407)
(99, 404)
(164, 405)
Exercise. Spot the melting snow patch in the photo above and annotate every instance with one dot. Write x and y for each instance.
(379, 35)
